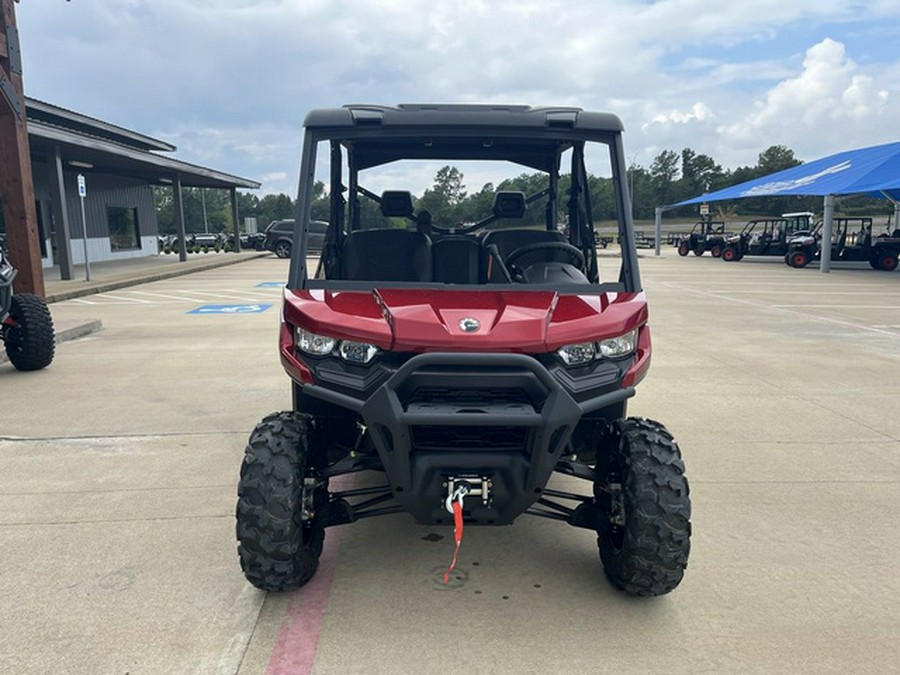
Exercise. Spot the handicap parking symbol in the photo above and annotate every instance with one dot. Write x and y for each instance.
(230, 309)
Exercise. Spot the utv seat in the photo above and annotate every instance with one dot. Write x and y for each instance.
(507, 241)
(389, 254)
(456, 259)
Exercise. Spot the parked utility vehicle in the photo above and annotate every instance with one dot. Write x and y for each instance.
(26, 327)
(852, 240)
(705, 235)
(767, 236)
(463, 362)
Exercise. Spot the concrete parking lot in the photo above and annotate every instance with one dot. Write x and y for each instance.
(120, 462)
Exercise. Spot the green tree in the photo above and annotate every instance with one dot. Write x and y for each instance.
(663, 174)
(445, 197)
(775, 158)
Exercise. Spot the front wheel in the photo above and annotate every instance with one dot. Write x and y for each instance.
(683, 249)
(644, 529)
(283, 249)
(279, 532)
(28, 333)
(797, 259)
(885, 261)
(716, 251)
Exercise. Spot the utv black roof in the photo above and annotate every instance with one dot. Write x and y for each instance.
(527, 135)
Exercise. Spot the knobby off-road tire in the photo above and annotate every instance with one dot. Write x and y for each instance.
(730, 254)
(30, 341)
(797, 259)
(277, 549)
(887, 262)
(645, 542)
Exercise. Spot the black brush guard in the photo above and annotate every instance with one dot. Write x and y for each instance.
(498, 420)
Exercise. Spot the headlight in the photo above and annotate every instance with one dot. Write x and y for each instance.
(322, 345)
(618, 346)
(319, 345)
(585, 352)
(578, 354)
(357, 352)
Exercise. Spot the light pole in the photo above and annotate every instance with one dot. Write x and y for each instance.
(631, 187)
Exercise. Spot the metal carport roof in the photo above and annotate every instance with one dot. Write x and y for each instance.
(872, 171)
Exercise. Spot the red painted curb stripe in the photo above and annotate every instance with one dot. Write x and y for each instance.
(298, 639)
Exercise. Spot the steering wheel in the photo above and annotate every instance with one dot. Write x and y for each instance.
(573, 255)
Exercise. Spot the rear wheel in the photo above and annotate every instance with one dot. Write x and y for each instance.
(644, 529)
(280, 498)
(29, 337)
(730, 254)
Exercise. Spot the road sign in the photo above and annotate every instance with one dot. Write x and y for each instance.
(704, 209)
(82, 187)
(230, 309)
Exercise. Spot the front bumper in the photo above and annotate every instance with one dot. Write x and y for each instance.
(498, 417)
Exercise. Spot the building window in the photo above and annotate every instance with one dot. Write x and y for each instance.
(124, 234)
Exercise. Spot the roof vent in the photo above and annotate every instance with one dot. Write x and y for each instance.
(367, 116)
(562, 118)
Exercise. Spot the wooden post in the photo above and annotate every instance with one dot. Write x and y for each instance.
(16, 182)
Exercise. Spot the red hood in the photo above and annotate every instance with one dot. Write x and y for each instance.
(416, 320)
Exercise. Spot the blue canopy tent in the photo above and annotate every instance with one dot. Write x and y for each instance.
(873, 171)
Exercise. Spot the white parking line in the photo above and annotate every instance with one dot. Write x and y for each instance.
(762, 305)
(170, 297)
(222, 296)
(853, 306)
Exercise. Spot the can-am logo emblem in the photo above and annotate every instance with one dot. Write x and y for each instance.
(469, 324)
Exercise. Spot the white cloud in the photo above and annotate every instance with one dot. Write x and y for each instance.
(229, 81)
(829, 97)
(699, 112)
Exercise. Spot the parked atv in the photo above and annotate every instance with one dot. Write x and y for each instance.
(767, 236)
(26, 327)
(464, 363)
(852, 240)
(705, 235)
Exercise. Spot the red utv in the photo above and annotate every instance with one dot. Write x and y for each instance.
(465, 361)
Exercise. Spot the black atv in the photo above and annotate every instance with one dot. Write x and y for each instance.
(706, 235)
(853, 241)
(767, 236)
(26, 326)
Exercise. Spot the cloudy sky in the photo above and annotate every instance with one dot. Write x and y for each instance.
(229, 81)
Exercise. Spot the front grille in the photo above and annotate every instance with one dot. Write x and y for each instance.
(500, 439)
(469, 397)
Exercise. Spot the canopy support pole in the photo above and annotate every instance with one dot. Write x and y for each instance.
(827, 231)
(658, 224)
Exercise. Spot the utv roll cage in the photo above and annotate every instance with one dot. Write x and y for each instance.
(363, 137)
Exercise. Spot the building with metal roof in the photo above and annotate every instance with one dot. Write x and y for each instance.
(119, 168)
